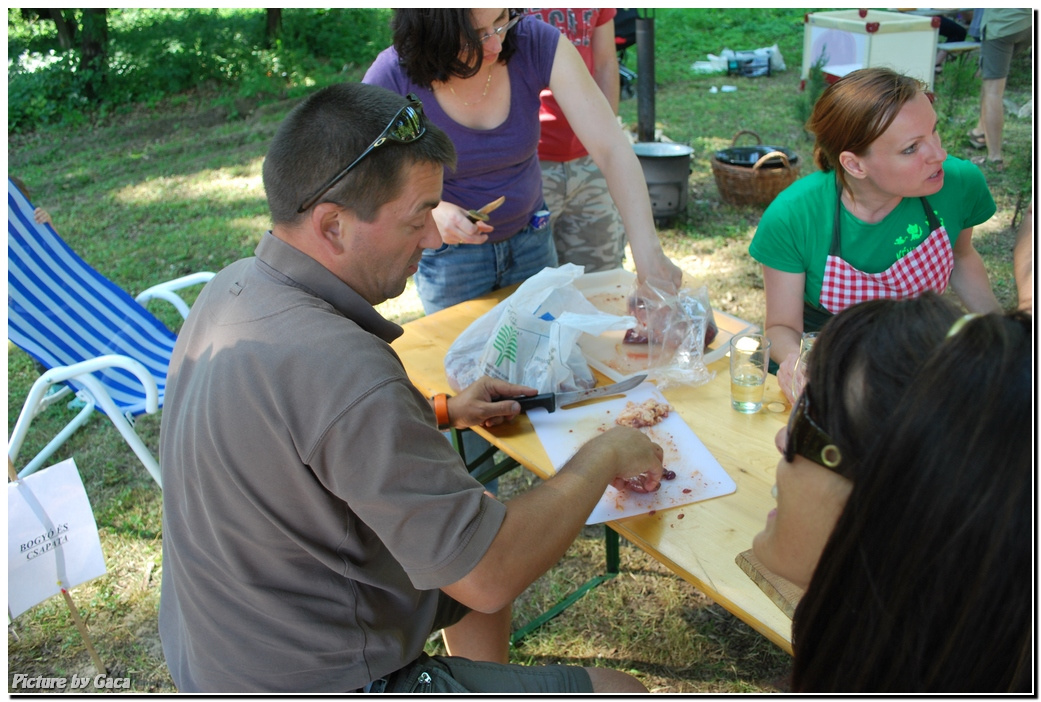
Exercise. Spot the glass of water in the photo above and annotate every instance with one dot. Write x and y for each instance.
(749, 361)
(800, 369)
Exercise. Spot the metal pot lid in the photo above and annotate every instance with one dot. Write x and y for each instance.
(661, 149)
(750, 155)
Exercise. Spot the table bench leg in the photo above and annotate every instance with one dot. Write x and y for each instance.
(612, 557)
(491, 472)
(613, 562)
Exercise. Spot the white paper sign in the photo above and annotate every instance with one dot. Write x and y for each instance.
(52, 540)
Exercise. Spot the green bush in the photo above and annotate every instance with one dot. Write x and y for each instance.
(51, 93)
(157, 53)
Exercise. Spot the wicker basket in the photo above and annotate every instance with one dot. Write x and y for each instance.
(744, 185)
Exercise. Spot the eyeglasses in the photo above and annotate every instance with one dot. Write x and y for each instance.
(503, 29)
(807, 439)
(406, 126)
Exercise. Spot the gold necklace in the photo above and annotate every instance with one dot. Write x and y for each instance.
(487, 84)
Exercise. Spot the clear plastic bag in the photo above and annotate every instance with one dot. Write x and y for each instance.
(531, 337)
(677, 328)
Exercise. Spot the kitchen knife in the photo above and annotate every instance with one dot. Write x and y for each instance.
(552, 400)
(481, 215)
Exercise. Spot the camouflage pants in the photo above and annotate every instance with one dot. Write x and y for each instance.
(587, 228)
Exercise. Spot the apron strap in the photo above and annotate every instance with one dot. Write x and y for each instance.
(930, 216)
(836, 236)
(836, 239)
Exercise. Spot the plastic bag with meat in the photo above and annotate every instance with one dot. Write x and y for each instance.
(677, 328)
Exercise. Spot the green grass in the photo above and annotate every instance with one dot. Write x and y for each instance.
(173, 186)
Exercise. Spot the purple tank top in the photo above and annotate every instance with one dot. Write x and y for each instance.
(499, 161)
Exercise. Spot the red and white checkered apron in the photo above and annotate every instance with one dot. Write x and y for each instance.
(927, 267)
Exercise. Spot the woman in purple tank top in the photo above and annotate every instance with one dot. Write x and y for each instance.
(479, 73)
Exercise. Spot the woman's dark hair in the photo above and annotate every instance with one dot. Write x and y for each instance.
(434, 45)
(855, 111)
(927, 582)
(863, 361)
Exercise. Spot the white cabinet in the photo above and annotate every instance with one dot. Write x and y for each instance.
(852, 39)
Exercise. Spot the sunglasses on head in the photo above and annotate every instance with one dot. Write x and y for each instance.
(406, 126)
(807, 439)
(960, 323)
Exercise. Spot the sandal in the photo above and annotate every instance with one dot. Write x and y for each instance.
(977, 140)
(996, 164)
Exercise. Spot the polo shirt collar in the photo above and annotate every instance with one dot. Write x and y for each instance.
(302, 271)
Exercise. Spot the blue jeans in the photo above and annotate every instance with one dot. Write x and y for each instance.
(456, 273)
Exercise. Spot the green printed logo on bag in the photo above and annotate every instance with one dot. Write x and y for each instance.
(506, 344)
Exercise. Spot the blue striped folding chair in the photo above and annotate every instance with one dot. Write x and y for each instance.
(92, 337)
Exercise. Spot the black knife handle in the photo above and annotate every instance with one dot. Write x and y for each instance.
(546, 399)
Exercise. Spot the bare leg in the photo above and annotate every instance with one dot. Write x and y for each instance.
(992, 115)
(614, 681)
(481, 637)
(978, 129)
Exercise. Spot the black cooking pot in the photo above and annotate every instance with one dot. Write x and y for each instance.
(750, 155)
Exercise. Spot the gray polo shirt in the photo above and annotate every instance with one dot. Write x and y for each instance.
(311, 509)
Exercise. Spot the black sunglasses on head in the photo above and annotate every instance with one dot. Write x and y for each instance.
(405, 127)
(807, 439)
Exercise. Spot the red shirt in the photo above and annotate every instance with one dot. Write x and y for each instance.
(558, 142)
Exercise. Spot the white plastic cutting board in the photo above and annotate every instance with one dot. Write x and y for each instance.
(698, 474)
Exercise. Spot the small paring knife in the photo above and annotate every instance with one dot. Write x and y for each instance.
(481, 215)
(552, 400)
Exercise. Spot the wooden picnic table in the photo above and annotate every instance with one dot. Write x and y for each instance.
(699, 542)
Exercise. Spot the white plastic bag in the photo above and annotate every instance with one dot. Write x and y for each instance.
(531, 337)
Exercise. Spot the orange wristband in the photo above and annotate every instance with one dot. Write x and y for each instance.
(441, 411)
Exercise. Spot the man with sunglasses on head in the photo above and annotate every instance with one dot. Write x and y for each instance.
(317, 527)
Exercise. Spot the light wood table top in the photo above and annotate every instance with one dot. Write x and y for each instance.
(698, 542)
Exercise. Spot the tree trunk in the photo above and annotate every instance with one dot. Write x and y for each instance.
(93, 51)
(66, 26)
(274, 26)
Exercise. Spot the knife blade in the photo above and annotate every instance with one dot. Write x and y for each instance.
(481, 215)
(552, 400)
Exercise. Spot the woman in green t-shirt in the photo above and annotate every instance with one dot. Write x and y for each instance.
(889, 214)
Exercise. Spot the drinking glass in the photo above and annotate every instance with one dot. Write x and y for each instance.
(749, 361)
(799, 370)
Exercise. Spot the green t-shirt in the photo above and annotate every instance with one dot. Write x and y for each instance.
(794, 234)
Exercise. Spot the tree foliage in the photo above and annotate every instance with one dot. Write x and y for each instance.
(75, 66)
